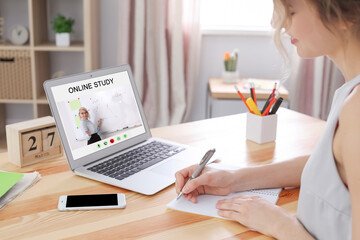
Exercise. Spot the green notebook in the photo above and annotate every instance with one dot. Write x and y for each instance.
(8, 180)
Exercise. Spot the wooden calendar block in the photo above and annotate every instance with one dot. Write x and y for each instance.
(33, 141)
(50, 138)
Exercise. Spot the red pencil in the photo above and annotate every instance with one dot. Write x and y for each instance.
(273, 91)
(242, 98)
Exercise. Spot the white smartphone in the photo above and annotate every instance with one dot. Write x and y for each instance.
(90, 202)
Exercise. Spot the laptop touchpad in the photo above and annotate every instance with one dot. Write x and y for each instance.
(169, 168)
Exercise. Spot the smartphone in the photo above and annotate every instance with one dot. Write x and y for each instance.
(90, 202)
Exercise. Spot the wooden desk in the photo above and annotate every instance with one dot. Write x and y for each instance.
(34, 214)
(217, 89)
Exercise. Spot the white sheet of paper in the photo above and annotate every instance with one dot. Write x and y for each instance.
(206, 204)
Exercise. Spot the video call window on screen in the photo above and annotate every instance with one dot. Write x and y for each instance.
(98, 113)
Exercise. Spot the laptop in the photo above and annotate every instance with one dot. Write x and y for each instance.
(123, 153)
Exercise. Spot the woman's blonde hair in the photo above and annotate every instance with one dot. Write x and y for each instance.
(330, 12)
(82, 108)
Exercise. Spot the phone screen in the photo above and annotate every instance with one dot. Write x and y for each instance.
(92, 200)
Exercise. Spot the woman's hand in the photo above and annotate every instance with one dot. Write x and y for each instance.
(99, 122)
(259, 214)
(210, 181)
(251, 211)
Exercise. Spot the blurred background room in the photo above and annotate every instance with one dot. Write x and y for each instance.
(176, 49)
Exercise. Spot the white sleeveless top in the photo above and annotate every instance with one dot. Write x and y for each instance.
(324, 203)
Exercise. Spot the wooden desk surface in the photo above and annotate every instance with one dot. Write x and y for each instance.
(221, 90)
(34, 214)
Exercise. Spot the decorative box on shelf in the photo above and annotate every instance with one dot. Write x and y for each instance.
(15, 74)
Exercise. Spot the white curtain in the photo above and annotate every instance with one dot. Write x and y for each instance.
(160, 39)
(313, 84)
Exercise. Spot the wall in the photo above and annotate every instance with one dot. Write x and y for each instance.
(258, 57)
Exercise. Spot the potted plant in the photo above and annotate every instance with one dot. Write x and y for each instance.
(230, 75)
(63, 27)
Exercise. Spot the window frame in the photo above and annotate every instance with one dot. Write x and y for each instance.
(223, 29)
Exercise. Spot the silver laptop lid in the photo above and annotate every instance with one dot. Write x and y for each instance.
(109, 95)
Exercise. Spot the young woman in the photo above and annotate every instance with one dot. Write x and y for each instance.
(90, 129)
(329, 201)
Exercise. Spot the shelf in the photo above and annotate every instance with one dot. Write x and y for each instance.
(42, 100)
(27, 101)
(50, 46)
(44, 110)
(9, 46)
(45, 58)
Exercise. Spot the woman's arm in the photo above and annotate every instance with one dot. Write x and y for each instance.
(350, 154)
(253, 212)
(256, 212)
(221, 182)
(282, 174)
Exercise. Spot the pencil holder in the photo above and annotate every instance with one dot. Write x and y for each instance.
(261, 129)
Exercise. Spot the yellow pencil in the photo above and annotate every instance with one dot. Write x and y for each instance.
(250, 102)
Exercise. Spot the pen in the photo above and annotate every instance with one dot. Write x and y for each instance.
(242, 98)
(276, 106)
(266, 112)
(266, 104)
(202, 164)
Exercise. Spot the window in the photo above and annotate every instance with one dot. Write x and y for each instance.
(236, 15)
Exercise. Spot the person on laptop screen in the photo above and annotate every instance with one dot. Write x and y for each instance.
(88, 127)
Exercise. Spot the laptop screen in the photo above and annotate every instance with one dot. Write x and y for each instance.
(98, 113)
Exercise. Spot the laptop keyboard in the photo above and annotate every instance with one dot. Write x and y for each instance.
(131, 162)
